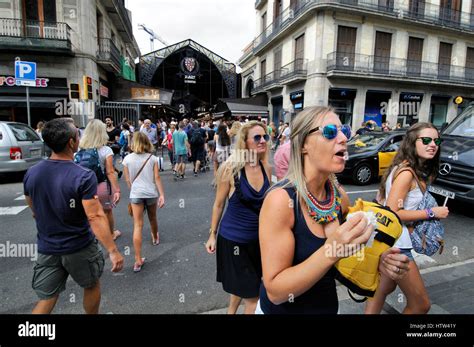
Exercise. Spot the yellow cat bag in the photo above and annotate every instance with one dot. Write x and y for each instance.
(359, 272)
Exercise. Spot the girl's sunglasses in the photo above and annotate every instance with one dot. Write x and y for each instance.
(258, 138)
(330, 131)
(427, 140)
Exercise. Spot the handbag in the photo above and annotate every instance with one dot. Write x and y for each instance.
(427, 236)
(130, 211)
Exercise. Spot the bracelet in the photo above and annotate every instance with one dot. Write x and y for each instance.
(211, 231)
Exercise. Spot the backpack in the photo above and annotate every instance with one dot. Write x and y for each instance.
(359, 272)
(89, 158)
(122, 140)
(196, 138)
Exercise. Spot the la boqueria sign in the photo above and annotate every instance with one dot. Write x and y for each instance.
(10, 81)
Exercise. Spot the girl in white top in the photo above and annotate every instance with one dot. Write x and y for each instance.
(146, 191)
(95, 136)
(418, 155)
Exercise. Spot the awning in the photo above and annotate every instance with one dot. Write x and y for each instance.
(35, 101)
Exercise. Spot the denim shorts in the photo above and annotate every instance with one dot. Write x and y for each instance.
(144, 201)
(407, 252)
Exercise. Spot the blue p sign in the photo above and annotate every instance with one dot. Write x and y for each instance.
(25, 70)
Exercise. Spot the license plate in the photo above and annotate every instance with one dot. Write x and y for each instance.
(442, 192)
(35, 153)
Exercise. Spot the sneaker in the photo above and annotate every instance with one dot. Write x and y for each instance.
(181, 177)
(195, 174)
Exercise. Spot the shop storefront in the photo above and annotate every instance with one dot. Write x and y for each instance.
(409, 108)
(342, 100)
(277, 103)
(297, 99)
(43, 99)
(439, 109)
(374, 106)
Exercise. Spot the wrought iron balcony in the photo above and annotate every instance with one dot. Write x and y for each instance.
(417, 11)
(342, 64)
(26, 35)
(108, 55)
(295, 71)
(267, 82)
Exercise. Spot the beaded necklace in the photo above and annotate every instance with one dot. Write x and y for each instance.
(324, 213)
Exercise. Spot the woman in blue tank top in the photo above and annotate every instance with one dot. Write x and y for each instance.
(301, 221)
(242, 182)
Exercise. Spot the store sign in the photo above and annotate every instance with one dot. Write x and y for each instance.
(146, 94)
(190, 69)
(296, 96)
(104, 91)
(10, 81)
(411, 97)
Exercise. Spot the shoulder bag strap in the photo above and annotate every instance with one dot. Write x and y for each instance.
(141, 169)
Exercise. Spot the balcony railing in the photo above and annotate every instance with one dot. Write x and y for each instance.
(26, 34)
(416, 11)
(295, 70)
(343, 63)
(109, 54)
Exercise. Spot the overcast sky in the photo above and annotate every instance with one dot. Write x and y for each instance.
(223, 26)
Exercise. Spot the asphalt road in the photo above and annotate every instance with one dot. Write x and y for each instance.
(179, 275)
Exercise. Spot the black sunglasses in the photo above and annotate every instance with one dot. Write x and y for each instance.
(427, 140)
(258, 138)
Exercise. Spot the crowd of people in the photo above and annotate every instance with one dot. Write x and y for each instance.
(271, 240)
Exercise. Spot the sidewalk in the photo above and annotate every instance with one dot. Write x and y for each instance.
(450, 288)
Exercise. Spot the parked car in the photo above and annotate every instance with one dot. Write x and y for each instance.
(456, 171)
(371, 154)
(20, 147)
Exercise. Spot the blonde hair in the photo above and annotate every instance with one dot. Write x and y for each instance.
(141, 143)
(300, 127)
(234, 130)
(95, 135)
(237, 160)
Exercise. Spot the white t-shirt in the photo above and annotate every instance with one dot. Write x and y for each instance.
(144, 186)
(104, 152)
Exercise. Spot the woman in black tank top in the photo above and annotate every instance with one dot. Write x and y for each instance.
(301, 227)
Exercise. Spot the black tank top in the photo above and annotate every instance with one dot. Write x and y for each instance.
(322, 297)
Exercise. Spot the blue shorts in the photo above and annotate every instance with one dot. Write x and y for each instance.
(407, 252)
(144, 201)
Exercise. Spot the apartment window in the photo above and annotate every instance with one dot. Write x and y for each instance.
(386, 5)
(346, 42)
(470, 64)
(263, 70)
(277, 63)
(277, 10)
(444, 62)
(299, 52)
(383, 46)
(294, 4)
(415, 54)
(417, 8)
(264, 22)
(39, 10)
(450, 11)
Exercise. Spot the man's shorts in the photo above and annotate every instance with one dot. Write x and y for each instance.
(52, 271)
(181, 159)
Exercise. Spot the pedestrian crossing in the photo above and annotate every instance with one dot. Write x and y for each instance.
(14, 210)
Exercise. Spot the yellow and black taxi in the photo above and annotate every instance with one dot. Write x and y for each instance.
(370, 155)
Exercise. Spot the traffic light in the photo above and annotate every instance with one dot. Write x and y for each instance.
(74, 91)
(88, 88)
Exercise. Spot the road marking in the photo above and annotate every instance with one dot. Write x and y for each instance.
(22, 197)
(11, 211)
(447, 266)
(363, 191)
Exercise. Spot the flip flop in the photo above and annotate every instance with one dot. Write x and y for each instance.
(154, 242)
(117, 234)
(138, 268)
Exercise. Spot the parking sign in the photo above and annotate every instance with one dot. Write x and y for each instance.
(25, 73)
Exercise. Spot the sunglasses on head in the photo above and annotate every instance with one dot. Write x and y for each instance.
(427, 140)
(330, 131)
(258, 138)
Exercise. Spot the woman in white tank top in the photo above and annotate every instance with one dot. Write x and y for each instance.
(418, 155)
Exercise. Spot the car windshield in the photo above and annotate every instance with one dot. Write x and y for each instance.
(368, 141)
(463, 125)
(23, 132)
